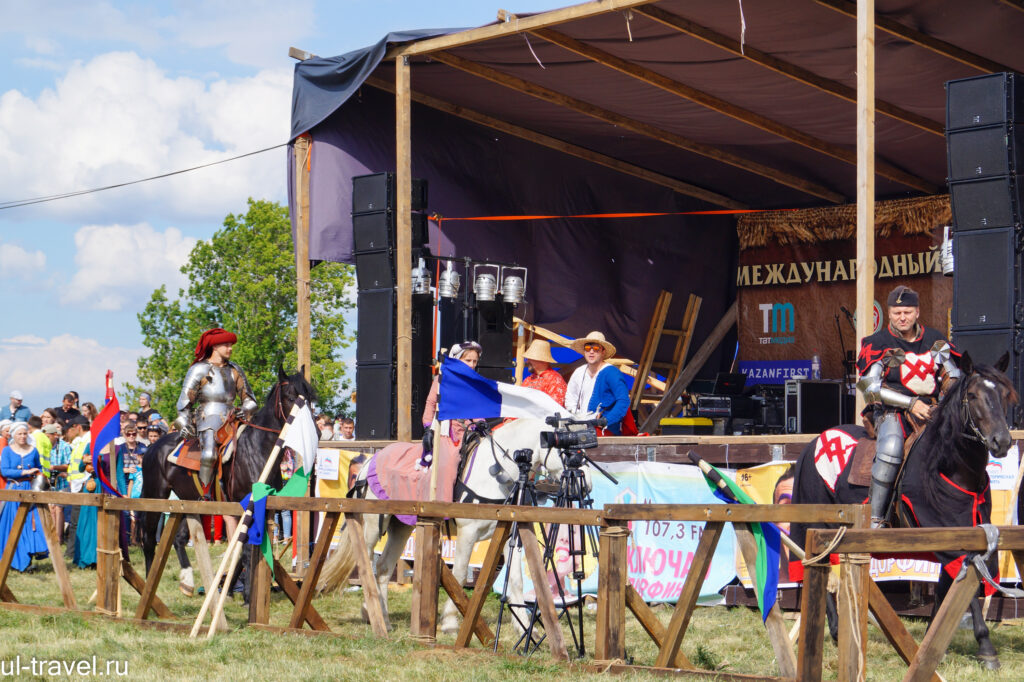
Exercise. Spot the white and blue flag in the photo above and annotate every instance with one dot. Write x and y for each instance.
(467, 395)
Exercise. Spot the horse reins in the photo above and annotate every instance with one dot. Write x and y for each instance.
(967, 416)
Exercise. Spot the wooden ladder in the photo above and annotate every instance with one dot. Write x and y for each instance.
(657, 330)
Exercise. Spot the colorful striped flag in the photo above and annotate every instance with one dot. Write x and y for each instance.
(767, 536)
(105, 429)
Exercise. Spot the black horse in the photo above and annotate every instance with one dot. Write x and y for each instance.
(944, 481)
(254, 444)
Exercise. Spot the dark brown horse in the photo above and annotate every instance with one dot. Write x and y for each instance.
(944, 481)
(160, 477)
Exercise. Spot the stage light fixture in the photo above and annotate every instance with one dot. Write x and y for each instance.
(947, 252)
(513, 287)
(485, 284)
(421, 278)
(448, 283)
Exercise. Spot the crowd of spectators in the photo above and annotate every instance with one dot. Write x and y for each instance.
(56, 445)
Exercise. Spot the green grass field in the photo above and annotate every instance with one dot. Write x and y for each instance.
(719, 638)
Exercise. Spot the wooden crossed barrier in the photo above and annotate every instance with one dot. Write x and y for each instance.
(923, 658)
(615, 595)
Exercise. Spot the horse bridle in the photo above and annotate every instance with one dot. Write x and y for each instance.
(967, 417)
(278, 409)
(494, 456)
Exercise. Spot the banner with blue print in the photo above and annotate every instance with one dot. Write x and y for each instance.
(659, 553)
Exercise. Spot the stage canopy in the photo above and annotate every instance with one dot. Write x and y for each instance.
(633, 106)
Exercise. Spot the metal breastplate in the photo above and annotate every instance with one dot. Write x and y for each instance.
(216, 397)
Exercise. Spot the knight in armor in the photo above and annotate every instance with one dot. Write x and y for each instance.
(208, 394)
(902, 368)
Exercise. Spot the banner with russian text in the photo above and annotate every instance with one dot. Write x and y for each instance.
(797, 299)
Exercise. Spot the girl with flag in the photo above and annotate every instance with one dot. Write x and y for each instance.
(19, 463)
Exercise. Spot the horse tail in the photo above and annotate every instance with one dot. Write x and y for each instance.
(338, 566)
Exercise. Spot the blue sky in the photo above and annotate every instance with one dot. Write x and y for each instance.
(96, 93)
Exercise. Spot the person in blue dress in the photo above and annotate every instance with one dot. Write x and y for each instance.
(19, 463)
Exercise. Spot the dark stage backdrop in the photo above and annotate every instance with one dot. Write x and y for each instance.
(583, 274)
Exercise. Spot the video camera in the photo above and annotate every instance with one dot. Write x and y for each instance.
(570, 433)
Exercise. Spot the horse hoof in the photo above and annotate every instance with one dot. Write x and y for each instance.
(449, 627)
(990, 662)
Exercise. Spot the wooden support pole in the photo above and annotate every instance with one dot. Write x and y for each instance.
(812, 611)
(691, 591)
(649, 621)
(461, 602)
(545, 601)
(202, 549)
(291, 590)
(302, 150)
(259, 592)
(892, 627)
(60, 569)
(316, 563)
(108, 561)
(12, 541)
(936, 640)
(484, 581)
(613, 575)
(865, 173)
(675, 390)
(774, 623)
(371, 591)
(426, 580)
(853, 608)
(403, 248)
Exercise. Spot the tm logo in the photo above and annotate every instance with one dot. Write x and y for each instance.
(779, 323)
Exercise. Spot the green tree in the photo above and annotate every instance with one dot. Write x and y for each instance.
(243, 279)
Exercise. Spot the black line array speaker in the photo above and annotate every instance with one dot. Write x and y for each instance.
(984, 130)
(376, 192)
(987, 280)
(376, 231)
(375, 320)
(375, 400)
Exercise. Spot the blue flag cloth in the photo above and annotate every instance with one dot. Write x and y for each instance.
(467, 395)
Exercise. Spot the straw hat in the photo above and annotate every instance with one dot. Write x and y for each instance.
(540, 351)
(594, 337)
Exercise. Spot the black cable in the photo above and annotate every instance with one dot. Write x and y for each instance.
(66, 195)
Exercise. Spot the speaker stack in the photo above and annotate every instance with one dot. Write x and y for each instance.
(374, 211)
(984, 117)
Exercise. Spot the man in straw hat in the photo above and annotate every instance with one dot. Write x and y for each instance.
(542, 377)
(597, 386)
(902, 368)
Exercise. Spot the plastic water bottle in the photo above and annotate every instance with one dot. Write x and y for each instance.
(815, 367)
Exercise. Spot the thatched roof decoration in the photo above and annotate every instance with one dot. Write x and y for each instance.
(901, 216)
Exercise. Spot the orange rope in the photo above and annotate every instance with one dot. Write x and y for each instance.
(439, 219)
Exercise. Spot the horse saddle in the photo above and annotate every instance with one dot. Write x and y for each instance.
(864, 457)
(188, 451)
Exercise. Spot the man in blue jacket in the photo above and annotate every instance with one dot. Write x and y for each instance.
(597, 386)
(16, 412)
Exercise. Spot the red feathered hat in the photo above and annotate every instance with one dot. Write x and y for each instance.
(210, 338)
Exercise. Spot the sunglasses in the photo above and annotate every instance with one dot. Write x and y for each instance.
(587, 347)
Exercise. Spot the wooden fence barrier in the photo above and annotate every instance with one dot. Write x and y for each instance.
(922, 659)
(615, 594)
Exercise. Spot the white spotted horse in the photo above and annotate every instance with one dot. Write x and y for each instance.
(943, 481)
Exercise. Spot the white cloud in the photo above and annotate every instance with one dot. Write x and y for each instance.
(250, 32)
(120, 264)
(45, 371)
(119, 117)
(16, 262)
(27, 339)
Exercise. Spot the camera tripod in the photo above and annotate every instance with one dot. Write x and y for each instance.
(573, 493)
